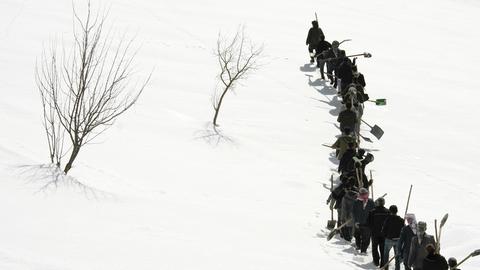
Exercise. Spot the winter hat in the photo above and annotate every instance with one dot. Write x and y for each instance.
(393, 209)
(363, 191)
(380, 201)
(452, 262)
(335, 43)
(422, 226)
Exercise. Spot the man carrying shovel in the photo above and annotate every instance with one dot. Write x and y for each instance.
(361, 208)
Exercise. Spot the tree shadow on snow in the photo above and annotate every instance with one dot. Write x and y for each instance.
(213, 135)
(48, 178)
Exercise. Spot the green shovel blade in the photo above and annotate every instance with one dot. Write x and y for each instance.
(381, 102)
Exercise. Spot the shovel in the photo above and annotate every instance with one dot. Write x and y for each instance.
(331, 223)
(379, 101)
(442, 223)
(473, 254)
(375, 130)
(335, 231)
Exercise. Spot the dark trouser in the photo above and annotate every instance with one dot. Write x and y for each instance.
(378, 244)
(321, 66)
(343, 87)
(405, 260)
(330, 70)
(362, 238)
(389, 243)
(346, 233)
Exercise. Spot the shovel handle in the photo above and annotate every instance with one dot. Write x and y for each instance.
(331, 189)
(389, 261)
(458, 264)
(366, 124)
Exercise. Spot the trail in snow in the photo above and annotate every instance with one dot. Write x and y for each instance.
(337, 248)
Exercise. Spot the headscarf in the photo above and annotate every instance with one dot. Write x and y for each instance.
(412, 225)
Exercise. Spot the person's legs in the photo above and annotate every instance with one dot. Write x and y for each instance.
(358, 238)
(397, 255)
(330, 72)
(365, 236)
(321, 66)
(346, 233)
(405, 264)
(381, 245)
(386, 252)
(375, 254)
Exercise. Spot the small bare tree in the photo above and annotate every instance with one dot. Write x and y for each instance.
(236, 59)
(85, 91)
(53, 128)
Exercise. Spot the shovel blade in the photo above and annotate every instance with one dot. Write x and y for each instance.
(381, 102)
(331, 224)
(332, 234)
(377, 132)
(444, 220)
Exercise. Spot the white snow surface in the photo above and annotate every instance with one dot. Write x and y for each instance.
(158, 196)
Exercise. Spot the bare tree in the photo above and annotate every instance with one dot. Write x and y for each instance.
(53, 128)
(236, 59)
(85, 91)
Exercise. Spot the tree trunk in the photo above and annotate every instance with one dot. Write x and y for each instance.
(73, 156)
(217, 109)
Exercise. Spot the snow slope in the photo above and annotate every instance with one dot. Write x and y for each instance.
(157, 195)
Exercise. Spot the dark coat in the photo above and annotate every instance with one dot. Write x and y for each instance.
(347, 206)
(376, 219)
(360, 213)
(354, 96)
(337, 195)
(360, 80)
(344, 71)
(403, 244)
(347, 118)
(392, 227)
(315, 35)
(347, 164)
(342, 144)
(322, 47)
(435, 262)
(333, 63)
(418, 252)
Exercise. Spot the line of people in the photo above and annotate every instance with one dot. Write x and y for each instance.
(366, 220)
